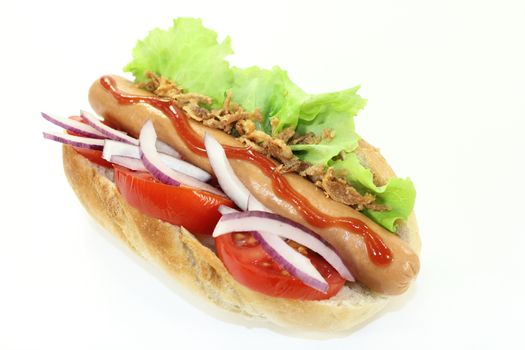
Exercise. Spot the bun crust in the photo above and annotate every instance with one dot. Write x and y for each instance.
(194, 266)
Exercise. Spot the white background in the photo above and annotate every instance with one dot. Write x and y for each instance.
(446, 87)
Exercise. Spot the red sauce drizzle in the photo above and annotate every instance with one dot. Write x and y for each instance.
(378, 252)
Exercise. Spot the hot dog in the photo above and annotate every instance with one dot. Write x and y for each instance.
(242, 187)
(391, 279)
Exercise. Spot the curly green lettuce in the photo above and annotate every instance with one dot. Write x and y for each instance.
(334, 112)
(398, 194)
(190, 54)
(270, 91)
(186, 53)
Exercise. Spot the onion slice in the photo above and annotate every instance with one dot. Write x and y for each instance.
(127, 162)
(226, 210)
(291, 260)
(107, 131)
(154, 164)
(76, 141)
(120, 149)
(277, 225)
(117, 148)
(128, 150)
(74, 126)
(230, 183)
(167, 149)
(255, 205)
(89, 131)
(288, 258)
(185, 167)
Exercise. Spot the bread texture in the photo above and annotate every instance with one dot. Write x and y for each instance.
(196, 267)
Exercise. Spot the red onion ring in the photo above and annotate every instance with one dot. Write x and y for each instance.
(288, 258)
(228, 180)
(127, 162)
(107, 131)
(292, 261)
(114, 148)
(167, 149)
(275, 224)
(89, 131)
(75, 141)
(154, 164)
(74, 126)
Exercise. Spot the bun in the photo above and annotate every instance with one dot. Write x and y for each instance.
(194, 266)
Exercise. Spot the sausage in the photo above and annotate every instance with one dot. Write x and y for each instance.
(393, 278)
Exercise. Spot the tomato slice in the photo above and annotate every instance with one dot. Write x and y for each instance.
(250, 265)
(92, 155)
(194, 209)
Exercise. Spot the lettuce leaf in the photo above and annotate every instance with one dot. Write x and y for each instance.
(286, 103)
(398, 194)
(271, 91)
(333, 111)
(188, 54)
(253, 88)
(361, 177)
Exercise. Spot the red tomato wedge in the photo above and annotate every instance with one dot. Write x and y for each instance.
(194, 209)
(92, 155)
(250, 265)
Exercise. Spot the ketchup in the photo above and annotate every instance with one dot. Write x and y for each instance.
(378, 252)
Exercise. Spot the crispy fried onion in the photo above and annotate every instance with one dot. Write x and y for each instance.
(234, 120)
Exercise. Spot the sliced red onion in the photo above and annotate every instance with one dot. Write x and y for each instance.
(230, 183)
(89, 131)
(254, 204)
(185, 167)
(127, 162)
(167, 149)
(289, 259)
(272, 223)
(226, 210)
(292, 261)
(74, 126)
(109, 132)
(76, 141)
(128, 150)
(154, 164)
(115, 148)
